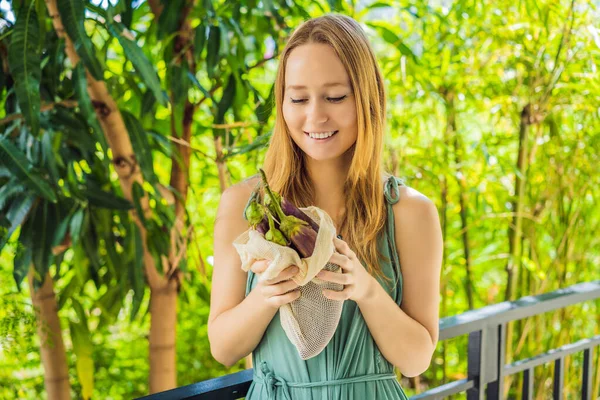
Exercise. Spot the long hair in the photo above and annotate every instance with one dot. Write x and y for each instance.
(284, 162)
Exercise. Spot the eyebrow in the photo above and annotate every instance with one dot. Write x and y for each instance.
(329, 84)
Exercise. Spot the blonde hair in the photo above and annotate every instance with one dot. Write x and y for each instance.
(284, 163)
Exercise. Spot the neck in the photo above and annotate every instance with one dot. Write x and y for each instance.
(328, 178)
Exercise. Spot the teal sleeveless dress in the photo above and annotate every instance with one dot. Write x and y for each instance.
(351, 367)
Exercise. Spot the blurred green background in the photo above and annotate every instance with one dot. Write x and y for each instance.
(493, 113)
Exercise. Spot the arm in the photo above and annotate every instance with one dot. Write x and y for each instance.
(235, 324)
(407, 335)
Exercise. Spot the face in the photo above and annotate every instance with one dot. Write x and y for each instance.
(318, 101)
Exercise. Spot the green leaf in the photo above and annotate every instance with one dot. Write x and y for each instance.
(264, 109)
(169, 18)
(16, 214)
(76, 226)
(212, 51)
(259, 142)
(100, 198)
(9, 190)
(24, 253)
(136, 272)
(24, 61)
(44, 221)
(226, 100)
(139, 60)
(138, 195)
(17, 163)
(148, 104)
(178, 83)
(83, 348)
(72, 13)
(393, 39)
(49, 155)
(139, 141)
(85, 105)
(199, 39)
(196, 83)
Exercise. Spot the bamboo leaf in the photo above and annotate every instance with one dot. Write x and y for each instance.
(138, 194)
(136, 272)
(196, 83)
(72, 13)
(226, 100)
(17, 163)
(24, 61)
(85, 105)
(393, 39)
(43, 233)
(76, 226)
(83, 347)
(16, 214)
(139, 60)
(9, 190)
(100, 198)
(139, 141)
(169, 18)
(24, 253)
(199, 39)
(212, 51)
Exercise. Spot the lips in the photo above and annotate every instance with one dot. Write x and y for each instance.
(322, 140)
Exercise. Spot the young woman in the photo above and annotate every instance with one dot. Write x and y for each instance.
(326, 151)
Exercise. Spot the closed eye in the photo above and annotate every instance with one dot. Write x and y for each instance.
(331, 99)
(336, 99)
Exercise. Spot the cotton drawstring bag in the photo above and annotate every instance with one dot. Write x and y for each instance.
(311, 320)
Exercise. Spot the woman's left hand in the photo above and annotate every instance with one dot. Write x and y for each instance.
(357, 281)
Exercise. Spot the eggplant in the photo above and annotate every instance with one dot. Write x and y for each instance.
(295, 230)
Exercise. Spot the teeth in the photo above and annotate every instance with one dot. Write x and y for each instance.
(323, 135)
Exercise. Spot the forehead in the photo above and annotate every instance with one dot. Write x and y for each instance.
(314, 65)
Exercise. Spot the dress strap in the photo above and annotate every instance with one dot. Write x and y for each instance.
(391, 191)
(392, 195)
(265, 375)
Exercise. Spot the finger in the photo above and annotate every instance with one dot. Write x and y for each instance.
(285, 298)
(281, 288)
(341, 260)
(334, 277)
(284, 275)
(343, 248)
(337, 295)
(260, 266)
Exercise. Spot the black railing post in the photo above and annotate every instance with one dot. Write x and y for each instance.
(495, 387)
(559, 378)
(586, 388)
(474, 363)
(528, 384)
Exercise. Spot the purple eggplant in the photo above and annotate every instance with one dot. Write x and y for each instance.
(298, 231)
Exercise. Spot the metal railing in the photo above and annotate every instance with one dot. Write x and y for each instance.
(486, 366)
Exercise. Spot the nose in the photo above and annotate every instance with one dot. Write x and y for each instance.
(316, 113)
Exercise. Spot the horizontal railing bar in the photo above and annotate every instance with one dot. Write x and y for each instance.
(445, 390)
(524, 307)
(232, 386)
(551, 355)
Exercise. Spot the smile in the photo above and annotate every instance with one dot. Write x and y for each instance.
(321, 136)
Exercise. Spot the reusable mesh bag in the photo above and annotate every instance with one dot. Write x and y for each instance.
(310, 321)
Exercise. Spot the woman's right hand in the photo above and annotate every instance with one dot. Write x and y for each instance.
(277, 291)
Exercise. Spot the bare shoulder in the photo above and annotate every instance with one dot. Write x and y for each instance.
(235, 197)
(412, 204)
